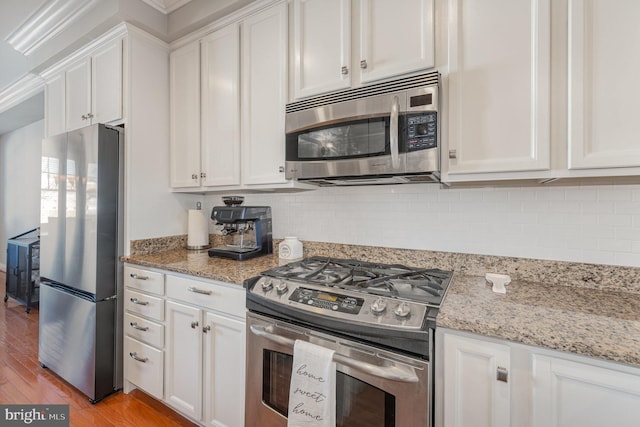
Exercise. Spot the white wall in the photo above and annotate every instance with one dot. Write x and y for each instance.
(593, 224)
(19, 182)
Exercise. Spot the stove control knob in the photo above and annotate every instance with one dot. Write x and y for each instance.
(281, 288)
(378, 306)
(267, 285)
(402, 310)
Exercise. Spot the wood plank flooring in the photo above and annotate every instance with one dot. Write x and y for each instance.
(24, 381)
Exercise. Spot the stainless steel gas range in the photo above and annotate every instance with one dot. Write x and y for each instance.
(378, 318)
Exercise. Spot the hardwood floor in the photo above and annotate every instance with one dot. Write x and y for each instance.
(24, 381)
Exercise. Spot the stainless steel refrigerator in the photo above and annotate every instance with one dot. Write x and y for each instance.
(80, 333)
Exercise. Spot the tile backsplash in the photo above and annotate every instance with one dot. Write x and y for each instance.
(597, 224)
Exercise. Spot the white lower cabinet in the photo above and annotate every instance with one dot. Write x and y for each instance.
(185, 344)
(482, 381)
(204, 364)
(574, 394)
(144, 331)
(476, 383)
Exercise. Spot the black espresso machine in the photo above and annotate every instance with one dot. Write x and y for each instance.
(250, 228)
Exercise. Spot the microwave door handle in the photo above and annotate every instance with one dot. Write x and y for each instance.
(393, 138)
(395, 372)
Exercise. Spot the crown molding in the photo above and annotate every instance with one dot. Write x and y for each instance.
(166, 6)
(20, 91)
(46, 22)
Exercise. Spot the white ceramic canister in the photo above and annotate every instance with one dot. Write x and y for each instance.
(290, 248)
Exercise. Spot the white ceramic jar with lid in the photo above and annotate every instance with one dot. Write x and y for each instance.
(290, 248)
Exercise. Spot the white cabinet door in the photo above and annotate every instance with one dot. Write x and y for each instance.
(183, 360)
(573, 394)
(473, 394)
(220, 143)
(54, 97)
(78, 94)
(499, 86)
(264, 95)
(224, 371)
(184, 87)
(603, 84)
(396, 37)
(106, 84)
(322, 46)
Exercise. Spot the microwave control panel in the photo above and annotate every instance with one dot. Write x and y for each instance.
(422, 131)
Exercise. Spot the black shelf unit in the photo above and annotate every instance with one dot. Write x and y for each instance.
(23, 268)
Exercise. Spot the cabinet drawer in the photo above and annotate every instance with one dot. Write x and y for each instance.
(144, 280)
(144, 330)
(208, 295)
(144, 366)
(143, 304)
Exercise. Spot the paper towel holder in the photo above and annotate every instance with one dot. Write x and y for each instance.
(197, 230)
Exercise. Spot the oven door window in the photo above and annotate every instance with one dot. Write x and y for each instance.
(358, 404)
(362, 138)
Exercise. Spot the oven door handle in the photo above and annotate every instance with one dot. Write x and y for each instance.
(393, 129)
(395, 372)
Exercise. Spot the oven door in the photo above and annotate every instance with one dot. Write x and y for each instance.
(374, 388)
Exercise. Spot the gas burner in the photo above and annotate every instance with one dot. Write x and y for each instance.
(389, 280)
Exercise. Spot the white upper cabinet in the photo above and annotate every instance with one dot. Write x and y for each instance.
(184, 95)
(54, 105)
(78, 94)
(220, 137)
(322, 46)
(392, 38)
(396, 37)
(499, 86)
(94, 88)
(264, 95)
(603, 84)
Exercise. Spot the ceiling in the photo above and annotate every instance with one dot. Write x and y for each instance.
(35, 34)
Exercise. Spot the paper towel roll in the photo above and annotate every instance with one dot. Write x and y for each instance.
(197, 230)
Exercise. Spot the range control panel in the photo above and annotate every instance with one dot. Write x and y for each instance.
(352, 306)
(327, 300)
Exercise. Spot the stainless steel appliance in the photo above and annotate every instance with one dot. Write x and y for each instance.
(80, 332)
(379, 319)
(250, 227)
(385, 133)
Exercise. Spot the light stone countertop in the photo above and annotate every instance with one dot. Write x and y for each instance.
(587, 309)
(599, 323)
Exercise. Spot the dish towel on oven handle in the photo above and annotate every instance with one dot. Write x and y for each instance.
(312, 393)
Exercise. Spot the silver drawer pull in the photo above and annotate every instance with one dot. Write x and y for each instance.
(134, 325)
(502, 374)
(135, 357)
(138, 302)
(138, 277)
(198, 291)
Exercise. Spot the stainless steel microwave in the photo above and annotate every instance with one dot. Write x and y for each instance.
(380, 134)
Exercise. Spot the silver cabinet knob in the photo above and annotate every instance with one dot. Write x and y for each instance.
(281, 169)
(453, 154)
(206, 329)
(344, 70)
(203, 175)
(194, 176)
(194, 325)
(363, 64)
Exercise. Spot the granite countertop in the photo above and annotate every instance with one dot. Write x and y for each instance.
(586, 309)
(200, 264)
(599, 323)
